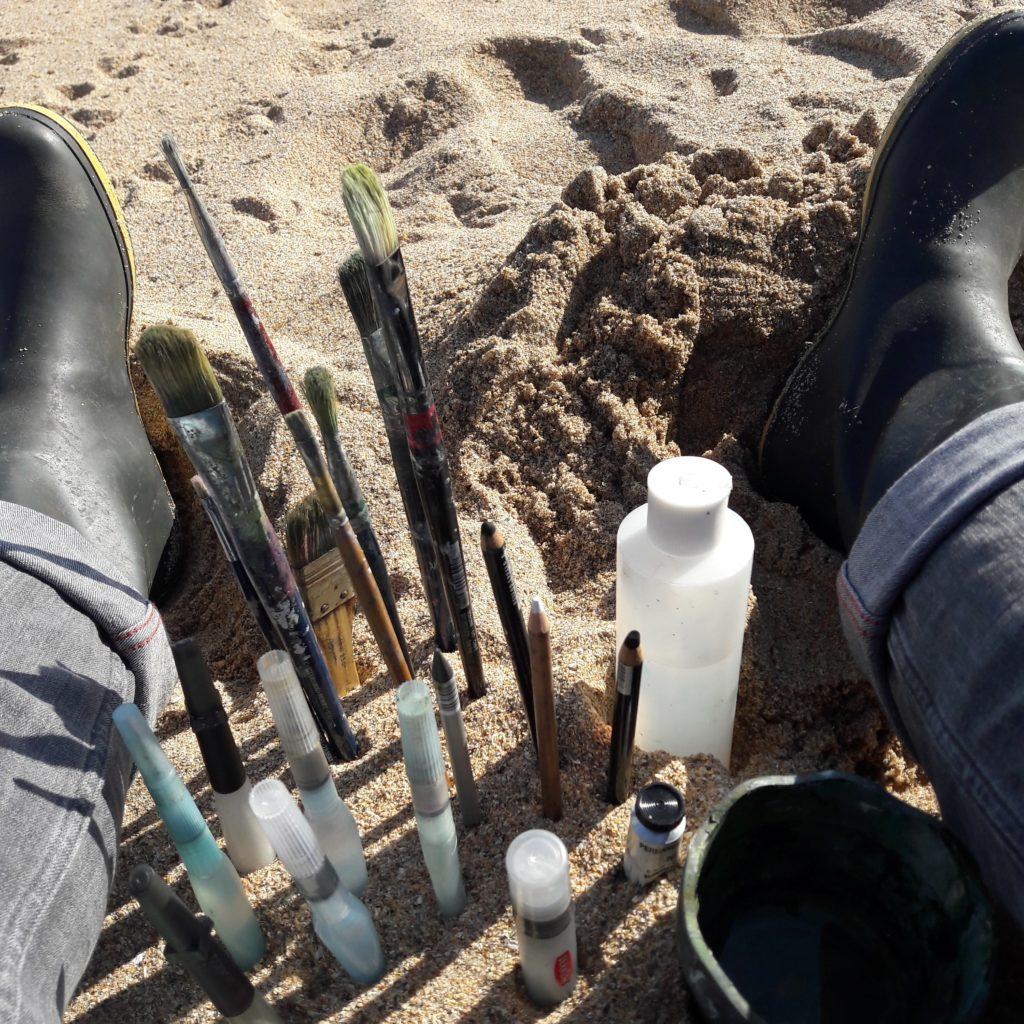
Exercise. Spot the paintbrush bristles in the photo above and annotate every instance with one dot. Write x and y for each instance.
(370, 213)
(318, 387)
(307, 532)
(356, 289)
(178, 369)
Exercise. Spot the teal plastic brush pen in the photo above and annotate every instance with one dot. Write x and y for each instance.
(214, 878)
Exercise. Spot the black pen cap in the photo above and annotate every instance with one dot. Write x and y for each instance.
(190, 942)
(208, 719)
(440, 669)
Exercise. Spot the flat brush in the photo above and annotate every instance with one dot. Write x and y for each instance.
(492, 545)
(318, 388)
(270, 634)
(280, 387)
(374, 226)
(628, 668)
(356, 289)
(184, 382)
(539, 631)
(326, 588)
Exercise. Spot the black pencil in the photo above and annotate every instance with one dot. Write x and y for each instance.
(627, 698)
(492, 544)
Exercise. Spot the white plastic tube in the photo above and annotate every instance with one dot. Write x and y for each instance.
(683, 576)
(341, 921)
(538, 880)
(246, 843)
(332, 821)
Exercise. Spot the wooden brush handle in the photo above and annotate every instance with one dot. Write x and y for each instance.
(547, 727)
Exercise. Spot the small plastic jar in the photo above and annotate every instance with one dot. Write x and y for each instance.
(655, 829)
(538, 880)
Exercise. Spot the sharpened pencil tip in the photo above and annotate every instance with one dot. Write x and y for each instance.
(536, 606)
(632, 640)
(487, 529)
(439, 667)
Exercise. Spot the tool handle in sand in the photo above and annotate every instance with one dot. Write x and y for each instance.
(544, 709)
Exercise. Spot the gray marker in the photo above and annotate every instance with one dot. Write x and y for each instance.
(455, 736)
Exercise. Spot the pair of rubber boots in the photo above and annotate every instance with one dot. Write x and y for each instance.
(920, 345)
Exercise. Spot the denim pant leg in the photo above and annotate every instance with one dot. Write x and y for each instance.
(932, 599)
(75, 641)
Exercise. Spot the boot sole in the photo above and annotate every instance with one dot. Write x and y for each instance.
(166, 579)
(944, 59)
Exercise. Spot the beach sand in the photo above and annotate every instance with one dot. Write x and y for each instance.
(622, 221)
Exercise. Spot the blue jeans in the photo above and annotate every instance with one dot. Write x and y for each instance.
(75, 641)
(932, 602)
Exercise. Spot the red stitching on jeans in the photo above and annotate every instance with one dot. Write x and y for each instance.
(127, 634)
(863, 631)
(856, 609)
(142, 643)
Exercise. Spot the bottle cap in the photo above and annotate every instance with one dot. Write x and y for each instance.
(686, 499)
(293, 840)
(660, 807)
(537, 863)
(421, 747)
(190, 943)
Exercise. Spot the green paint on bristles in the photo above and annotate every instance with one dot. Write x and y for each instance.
(178, 369)
(356, 287)
(370, 213)
(318, 386)
(307, 532)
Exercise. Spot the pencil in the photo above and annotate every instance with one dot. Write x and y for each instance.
(539, 631)
(627, 698)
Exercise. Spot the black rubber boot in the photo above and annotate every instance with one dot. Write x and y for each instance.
(922, 343)
(71, 442)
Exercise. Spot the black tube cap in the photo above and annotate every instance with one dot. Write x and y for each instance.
(440, 670)
(660, 807)
(190, 942)
(208, 719)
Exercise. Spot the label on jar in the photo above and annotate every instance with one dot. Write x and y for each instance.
(644, 863)
(563, 967)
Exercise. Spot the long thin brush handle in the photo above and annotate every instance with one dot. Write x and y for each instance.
(363, 583)
(262, 347)
(511, 616)
(429, 459)
(211, 443)
(547, 726)
(386, 385)
(270, 634)
(620, 753)
(351, 495)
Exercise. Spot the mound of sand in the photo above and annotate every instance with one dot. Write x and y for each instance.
(622, 224)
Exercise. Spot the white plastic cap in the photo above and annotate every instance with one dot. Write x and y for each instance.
(421, 747)
(288, 705)
(537, 863)
(686, 499)
(287, 829)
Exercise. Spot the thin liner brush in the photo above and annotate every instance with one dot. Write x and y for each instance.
(318, 388)
(270, 634)
(492, 545)
(280, 387)
(325, 587)
(539, 630)
(184, 382)
(628, 669)
(356, 288)
(374, 226)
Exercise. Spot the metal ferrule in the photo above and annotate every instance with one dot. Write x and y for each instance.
(375, 348)
(447, 695)
(624, 679)
(346, 484)
(316, 465)
(390, 288)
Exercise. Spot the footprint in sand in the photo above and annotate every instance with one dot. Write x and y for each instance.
(78, 90)
(119, 67)
(253, 206)
(10, 51)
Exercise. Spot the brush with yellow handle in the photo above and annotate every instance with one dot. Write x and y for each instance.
(326, 588)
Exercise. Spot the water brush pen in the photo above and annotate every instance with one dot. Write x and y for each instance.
(188, 941)
(341, 921)
(246, 844)
(374, 226)
(421, 749)
(492, 545)
(629, 666)
(318, 388)
(539, 630)
(356, 288)
(455, 736)
(270, 634)
(331, 819)
(184, 382)
(280, 387)
(214, 879)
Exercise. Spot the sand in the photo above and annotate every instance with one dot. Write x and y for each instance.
(622, 221)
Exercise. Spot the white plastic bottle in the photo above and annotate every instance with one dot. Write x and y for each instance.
(683, 575)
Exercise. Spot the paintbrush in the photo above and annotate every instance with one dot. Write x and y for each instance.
(539, 630)
(492, 545)
(318, 388)
(628, 670)
(356, 288)
(184, 382)
(325, 587)
(280, 387)
(374, 225)
(270, 634)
